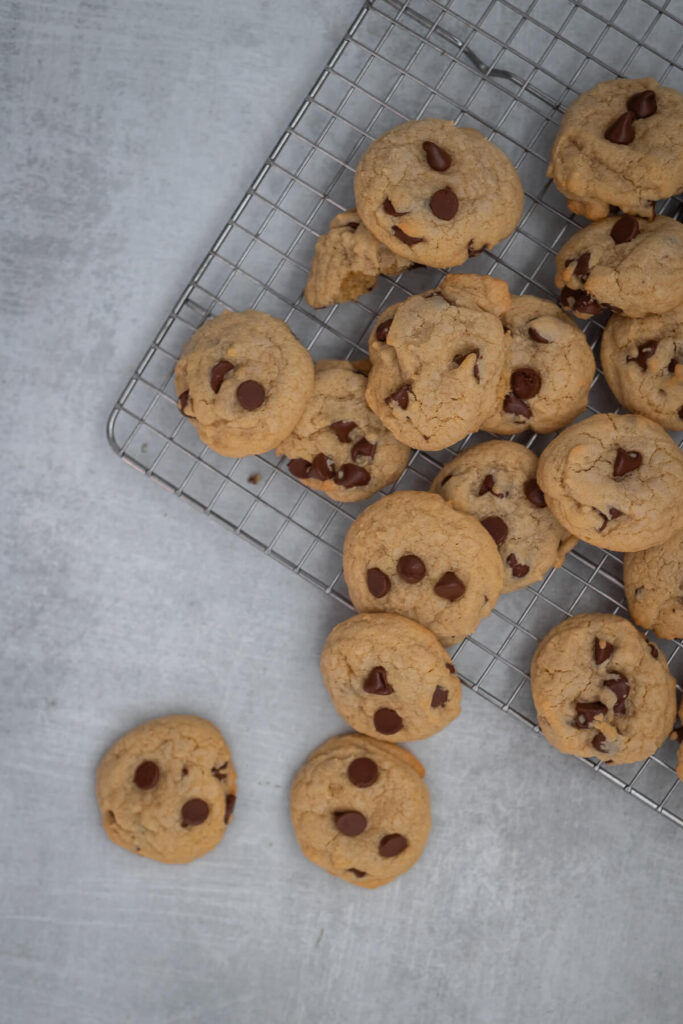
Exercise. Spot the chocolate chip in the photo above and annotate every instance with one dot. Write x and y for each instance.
(621, 131)
(581, 270)
(229, 807)
(496, 527)
(363, 449)
(392, 845)
(625, 462)
(621, 689)
(440, 697)
(194, 812)
(599, 742)
(642, 104)
(461, 356)
(251, 395)
(350, 823)
(677, 734)
(383, 329)
(614, 513)
(411, 568)
(403, 237)
(450, 587)
(437, 158)
(146, 775)
(515, 406)
(362, 772)
(680, 412)
(322, 467)
(400, 397)
(487, 484)
(376, 681)
(299, 468)
(625, 229)
(472, 252)
(586, 711)
(451, 667)
(219, 772)
(378, 583)
(653, 650)
(518, 569)
(183, 400)
(357, 873)
(673, 363)
(387, 721)
(388, 207)
(444, 204)
(537, 336)
(219, 373)
(352, 476)
(534, 494)
(645, 352)
(580, 301)
(602, 650)
(342, 429)
(525, 382)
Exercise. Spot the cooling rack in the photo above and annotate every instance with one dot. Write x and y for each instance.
(509, 70)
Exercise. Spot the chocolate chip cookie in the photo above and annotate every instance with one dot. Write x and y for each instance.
(601, 689)
(496, 483)
(614, 481)
(437, 361)
(339, 446)
(630, 266)
(347, 262)
(549, 369)
(412, 553)
(166, 789)
(243, 380)
(653, 581)
(389, 677)
(435, 193)
(643, 363)
(360, 809)
(620, 145)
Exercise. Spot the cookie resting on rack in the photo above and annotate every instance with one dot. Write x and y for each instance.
(389, 677)
(360, 809)
(615, 481)
(411, 553)
(653, 581)
(243, 380)
(436, 193)
(601, 689)
(166, 789)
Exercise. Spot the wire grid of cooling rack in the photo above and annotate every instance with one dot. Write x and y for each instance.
(509, 70)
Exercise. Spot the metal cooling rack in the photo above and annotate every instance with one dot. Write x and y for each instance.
(509, 70)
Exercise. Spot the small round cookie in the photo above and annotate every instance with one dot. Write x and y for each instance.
(360, 809)
(496, 483)
(413, 554)
(347, 262)
(243, 380)
(389, 677)
(166, 789)
(549, 369)
(615, 481)
(339, 446)
(437, 361)
(620, 144)
(435, 193)
(630, 266)
(643, 363)
(653, 581)
(601, 689)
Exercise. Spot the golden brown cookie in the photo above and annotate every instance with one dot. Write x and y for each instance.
(653, 581)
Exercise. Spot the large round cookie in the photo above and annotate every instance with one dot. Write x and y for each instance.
(614, 481)
(413, 554)
(496, 483)
(243, 379)
(437, 361)
(166, 789)
(643, 363)
(630, 266)
(549, 369)
(653, 581)
(435, 193)
(620, 144)
(360, 809)
(389, 677)
(602, 690)
(339, 446)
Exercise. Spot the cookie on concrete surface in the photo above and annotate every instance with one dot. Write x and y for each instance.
(338, 445)
(496, 483)
(620, 145)
(166, 789)
(360, 809)
(243, 380)
(389, 677)
(653, 581)
(601, 689)
(347, 262)
(436, 193)
(437, 361)
(615, 481)
(643, 363)
(630, 266)
(411, 553)
(549, 369)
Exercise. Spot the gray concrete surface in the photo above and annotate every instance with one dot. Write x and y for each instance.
(130, 130)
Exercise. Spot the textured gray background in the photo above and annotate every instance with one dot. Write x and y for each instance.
(131, 129)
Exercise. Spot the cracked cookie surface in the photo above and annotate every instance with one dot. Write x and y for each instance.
(653, 581)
